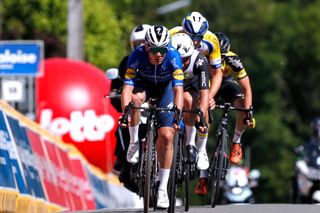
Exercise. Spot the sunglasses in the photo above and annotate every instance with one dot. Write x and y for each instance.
(196, 37)
(161, 50)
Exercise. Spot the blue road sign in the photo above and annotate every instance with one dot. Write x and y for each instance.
(21, 57)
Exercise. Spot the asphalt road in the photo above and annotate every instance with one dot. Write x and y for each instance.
(256, 208)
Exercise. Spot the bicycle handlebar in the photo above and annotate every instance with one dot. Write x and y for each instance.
(113, 96)
(198, 112)
(227, 106)
(130, 106)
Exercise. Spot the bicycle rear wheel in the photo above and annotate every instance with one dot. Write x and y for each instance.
(217, 168)
(173, 185)
(148, 169)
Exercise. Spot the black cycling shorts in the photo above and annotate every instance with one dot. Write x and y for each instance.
(229, 91)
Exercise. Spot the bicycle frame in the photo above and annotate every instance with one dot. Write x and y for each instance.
(148, 166)
(220, 159)
(181, 168)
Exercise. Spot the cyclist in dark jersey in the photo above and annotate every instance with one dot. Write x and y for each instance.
(236, 89)
(196, 92)
(155, 70)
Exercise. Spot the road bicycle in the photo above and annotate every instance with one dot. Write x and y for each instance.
(147, 168)
(220, 160)
(181, 170)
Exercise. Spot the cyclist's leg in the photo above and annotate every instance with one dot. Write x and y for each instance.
(231, 92)
(202, 138)
(137, 98)
(165, 143)
(190, 98)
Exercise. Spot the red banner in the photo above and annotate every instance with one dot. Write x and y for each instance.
(82, 183)
(71, 104)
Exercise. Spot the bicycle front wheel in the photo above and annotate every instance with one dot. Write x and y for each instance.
(217, 168)
(186, 187)
(173, 185)
(148, 169)
(186, 169)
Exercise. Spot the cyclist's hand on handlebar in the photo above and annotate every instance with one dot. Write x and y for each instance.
(176, 126)
(177, 117)
(201, 127)
(123, 119)
(251, 123)
(249, 119)
(123, 122)
(212, 103)
(200, 123)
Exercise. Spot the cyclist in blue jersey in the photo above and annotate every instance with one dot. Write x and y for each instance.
(121, 166)
(154, 70)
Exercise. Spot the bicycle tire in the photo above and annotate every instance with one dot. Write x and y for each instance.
(147, 182)
(186, 173)
(186, 188)
(173, 185)
(217, 170)
(154, 181)
(140, 169)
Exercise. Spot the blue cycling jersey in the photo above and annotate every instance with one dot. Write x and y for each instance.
(139, 67)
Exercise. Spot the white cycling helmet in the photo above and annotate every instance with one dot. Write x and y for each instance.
(138, 34)
(195, 24)
(183, 43)
(157, 36)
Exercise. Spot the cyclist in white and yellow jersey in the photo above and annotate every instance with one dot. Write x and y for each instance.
(207, 43)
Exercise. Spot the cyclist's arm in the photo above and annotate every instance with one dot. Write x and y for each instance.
(240, 73)
(126, 95)
(128, 86)
(201, 71)
(215, 82)
(215, 63)
(177, 84)
(177, 79)
(246, 87)
(178, 97)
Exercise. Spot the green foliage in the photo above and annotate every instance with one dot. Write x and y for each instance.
(41, 20)
(104, 46)
(105, 39)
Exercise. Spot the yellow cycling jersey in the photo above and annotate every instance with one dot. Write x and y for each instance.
(209, 46)
(231, 65)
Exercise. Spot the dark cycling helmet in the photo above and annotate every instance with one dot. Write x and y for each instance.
(224, 42)
(157, 36)
(138, 34)
(195, 24)
(316, 127)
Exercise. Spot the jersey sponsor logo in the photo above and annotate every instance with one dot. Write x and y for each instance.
(199, 62)
(178, 74)
(235, 62)
(174, 63)
(203, 79)
(130, 73)
(170, 105)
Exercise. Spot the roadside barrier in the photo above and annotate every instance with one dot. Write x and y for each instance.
(41, 173)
